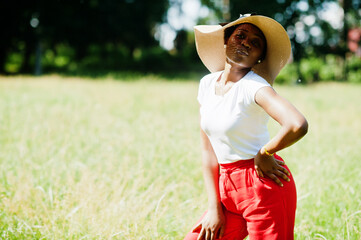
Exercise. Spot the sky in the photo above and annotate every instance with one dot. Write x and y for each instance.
(186, 17)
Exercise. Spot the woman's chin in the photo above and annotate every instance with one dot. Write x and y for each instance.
(238, 62)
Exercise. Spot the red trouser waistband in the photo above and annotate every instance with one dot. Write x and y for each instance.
(239, 164)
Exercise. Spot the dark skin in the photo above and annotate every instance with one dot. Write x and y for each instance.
(244, 48)
(246, 45)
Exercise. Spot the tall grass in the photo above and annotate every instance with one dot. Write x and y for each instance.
(83, 159)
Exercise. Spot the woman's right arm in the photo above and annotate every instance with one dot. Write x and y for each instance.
(212, 225)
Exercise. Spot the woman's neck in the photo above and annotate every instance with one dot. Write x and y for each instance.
(233, 72)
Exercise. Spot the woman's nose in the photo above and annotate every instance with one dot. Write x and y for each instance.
(246, 43)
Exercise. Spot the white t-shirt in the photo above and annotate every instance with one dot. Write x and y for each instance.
(234, 123)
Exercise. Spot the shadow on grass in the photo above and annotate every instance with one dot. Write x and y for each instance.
(122, 75)
(134, 75)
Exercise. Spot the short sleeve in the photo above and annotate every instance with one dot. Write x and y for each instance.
(205, 86)
(201, 90)
(254, 83)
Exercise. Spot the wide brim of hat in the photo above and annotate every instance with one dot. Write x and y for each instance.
(210, 46)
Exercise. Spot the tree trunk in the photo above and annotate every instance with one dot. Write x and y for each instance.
(38, 67)
(2, 60)
(25, 66)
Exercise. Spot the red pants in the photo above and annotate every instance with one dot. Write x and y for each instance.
(255, 206)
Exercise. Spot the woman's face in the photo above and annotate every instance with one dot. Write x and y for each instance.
(246, 45)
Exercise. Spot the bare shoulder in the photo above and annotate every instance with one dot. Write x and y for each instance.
(265, 94)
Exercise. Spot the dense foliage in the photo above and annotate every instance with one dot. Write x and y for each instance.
(93, 32)
(117, 35)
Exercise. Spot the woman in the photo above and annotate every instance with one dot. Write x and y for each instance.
(250, 189)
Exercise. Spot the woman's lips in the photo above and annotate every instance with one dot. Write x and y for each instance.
(242, 52)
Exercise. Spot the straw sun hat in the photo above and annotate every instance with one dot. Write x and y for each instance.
(210, 45)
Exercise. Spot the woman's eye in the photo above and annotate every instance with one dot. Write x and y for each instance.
(256, 43)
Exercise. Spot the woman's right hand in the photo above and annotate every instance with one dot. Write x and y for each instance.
(212, 225)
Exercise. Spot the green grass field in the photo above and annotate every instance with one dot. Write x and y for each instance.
(107, 159)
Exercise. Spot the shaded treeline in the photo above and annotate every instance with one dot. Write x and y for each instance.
(106, 33)
(61, 35)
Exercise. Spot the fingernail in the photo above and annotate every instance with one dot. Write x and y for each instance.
(281, 185)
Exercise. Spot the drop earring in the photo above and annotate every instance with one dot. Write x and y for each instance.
(259, 61)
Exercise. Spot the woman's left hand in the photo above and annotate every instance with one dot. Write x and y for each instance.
(271, 167)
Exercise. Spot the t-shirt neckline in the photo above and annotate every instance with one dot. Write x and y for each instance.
(231, 89)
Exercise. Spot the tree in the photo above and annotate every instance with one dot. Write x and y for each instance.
(317, 35)
(79, 24)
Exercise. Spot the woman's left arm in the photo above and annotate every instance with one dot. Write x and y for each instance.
(293, 127)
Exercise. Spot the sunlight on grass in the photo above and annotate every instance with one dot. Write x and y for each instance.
(86, 159)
